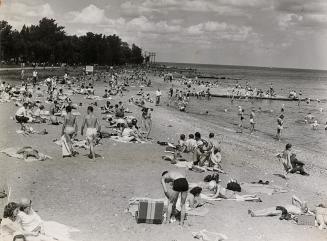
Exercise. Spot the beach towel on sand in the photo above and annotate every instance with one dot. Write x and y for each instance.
(58, 231)
(260, 188)
(12, 152)
(66, 151)
(209, 236)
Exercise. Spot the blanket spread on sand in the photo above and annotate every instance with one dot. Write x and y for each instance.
(209, 236)
(260, 188)
(54, 231)
(12, 152)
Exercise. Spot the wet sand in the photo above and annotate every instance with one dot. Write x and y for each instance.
(93, 195)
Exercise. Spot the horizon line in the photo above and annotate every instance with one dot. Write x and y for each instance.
(253, 66)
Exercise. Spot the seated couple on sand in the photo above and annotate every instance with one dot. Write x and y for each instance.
(21, 222)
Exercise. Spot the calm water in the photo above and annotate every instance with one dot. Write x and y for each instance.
(313, 84)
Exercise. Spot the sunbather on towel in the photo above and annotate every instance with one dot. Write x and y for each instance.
(28, 151)
(296, 207)
(217, 191)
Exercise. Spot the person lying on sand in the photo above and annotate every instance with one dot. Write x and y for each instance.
(28, 151)
(217, 191)
(296, 207)
(179, 186)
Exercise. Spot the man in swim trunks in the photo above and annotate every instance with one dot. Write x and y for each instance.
(241, 123)
(252, 123)
(179, 186)
(69, 128)
(280, 122)
(21, 115)
(92, 127)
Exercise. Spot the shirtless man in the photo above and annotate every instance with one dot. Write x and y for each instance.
(241, 113)
(252, 123)
(92, 127)
(179, 186)
(280, 122)
(69, 128)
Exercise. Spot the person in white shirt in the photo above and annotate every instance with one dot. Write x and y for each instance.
(190, 143)
(34, 77)
(29, 220)
(21, 115)
(158, 95)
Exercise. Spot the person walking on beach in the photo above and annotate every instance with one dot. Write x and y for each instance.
(299, 98)
(34, 77)
(252, 122)
(280, 122)
(69, 129)
(240, 127)
(92, 127)
(179, 186)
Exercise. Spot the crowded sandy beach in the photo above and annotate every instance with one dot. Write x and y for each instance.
(81, 150)
(163, 120)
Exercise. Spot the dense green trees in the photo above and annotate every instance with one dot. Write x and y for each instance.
(47, 42)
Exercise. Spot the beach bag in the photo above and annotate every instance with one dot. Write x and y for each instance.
(150, 211)
(234, 186)
(308, 220)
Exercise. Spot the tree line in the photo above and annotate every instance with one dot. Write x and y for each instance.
(48, 43)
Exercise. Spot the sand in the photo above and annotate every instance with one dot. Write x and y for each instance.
(92, 196)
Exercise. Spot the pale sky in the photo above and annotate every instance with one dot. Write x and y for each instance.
(274, 33)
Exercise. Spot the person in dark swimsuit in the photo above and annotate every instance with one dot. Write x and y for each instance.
(179, 186)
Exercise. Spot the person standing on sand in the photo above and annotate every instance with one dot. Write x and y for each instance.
(280, 122)
(92, 127)
(34, 77)
(179, 186)
(158, 96)
(146, 121)
(69, 128)
(240, 130)
(252, 122)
